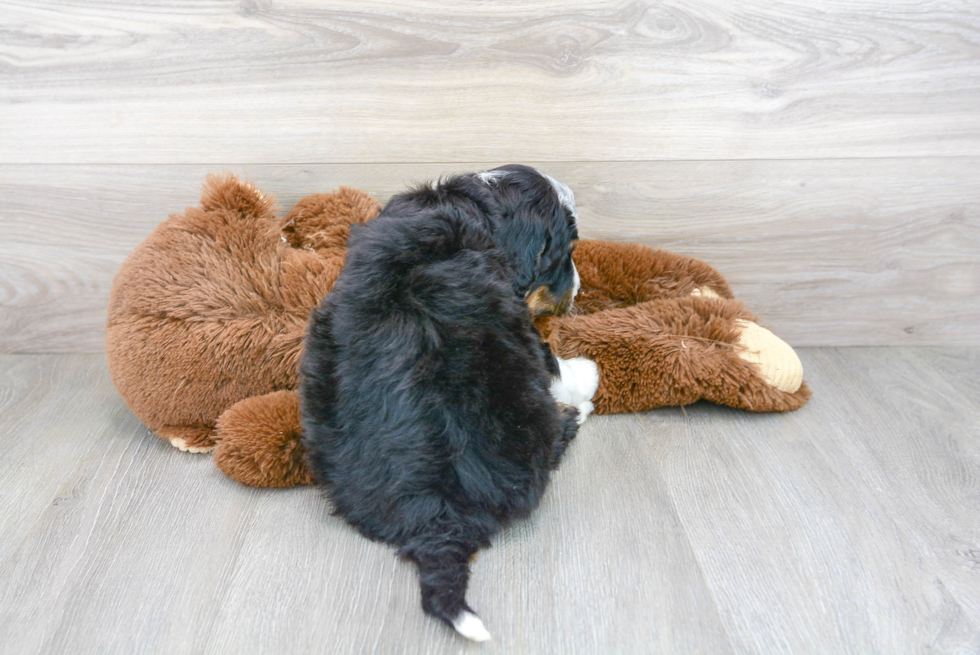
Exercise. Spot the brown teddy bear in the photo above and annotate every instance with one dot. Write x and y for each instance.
(207, 318)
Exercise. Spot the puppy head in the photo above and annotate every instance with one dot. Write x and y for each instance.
(538, 230)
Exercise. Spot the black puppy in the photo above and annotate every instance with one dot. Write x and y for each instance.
(425, 389)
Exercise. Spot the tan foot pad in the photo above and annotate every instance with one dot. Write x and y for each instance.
(181, 444)
(705, 292)
(778, 364)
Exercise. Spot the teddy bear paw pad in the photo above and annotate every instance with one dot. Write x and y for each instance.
(181, 444)
(705, 292)
(778, 363)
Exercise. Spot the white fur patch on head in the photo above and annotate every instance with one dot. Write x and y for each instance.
(470, 626)
(565, 195)
(490, 177)
(577, 281)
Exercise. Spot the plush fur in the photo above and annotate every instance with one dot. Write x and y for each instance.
(663, 329)
(212, 308)
(208, 315)
(425, 387)
(267, 441)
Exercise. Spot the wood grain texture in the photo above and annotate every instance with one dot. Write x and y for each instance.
(372, 81)
(152, 549)
(849, 526)
(549, 584)
(929, 398)
(855, 252)
(53, 412)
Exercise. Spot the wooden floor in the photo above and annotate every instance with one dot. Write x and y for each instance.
(851, 526)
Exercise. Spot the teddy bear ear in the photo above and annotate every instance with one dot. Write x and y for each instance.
(323, 220)
(226, 191)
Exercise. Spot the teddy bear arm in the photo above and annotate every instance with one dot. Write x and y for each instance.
(678, 351)
(617, 274)
(322, 221)
(685, 276)
(260, 442)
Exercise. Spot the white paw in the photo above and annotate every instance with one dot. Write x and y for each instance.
(578, 382)
(584, 410)
(181, 444)
(587, 374)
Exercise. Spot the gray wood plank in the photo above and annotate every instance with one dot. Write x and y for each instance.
(844, 527)
(849, 526)
(958, 368)
(53, 411)
(927, 473)
(100, 505)
(134, 560)
(574, 578)
(369, 81)
(153, 550)
(827, 252)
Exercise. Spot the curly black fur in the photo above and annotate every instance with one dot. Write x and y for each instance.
(425, 388)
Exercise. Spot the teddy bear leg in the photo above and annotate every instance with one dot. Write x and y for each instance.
(774, 379)
(189, 438)
(260, 442)
(323, 220)
(617, 274)
(778, 364)
(678, 351)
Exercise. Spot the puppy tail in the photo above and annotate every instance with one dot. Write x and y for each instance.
(444, 572)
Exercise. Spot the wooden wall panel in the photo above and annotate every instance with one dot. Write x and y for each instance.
(838, 252)
(104, 81)
(821, 154)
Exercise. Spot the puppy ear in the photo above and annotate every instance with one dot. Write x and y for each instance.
(524, 238)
